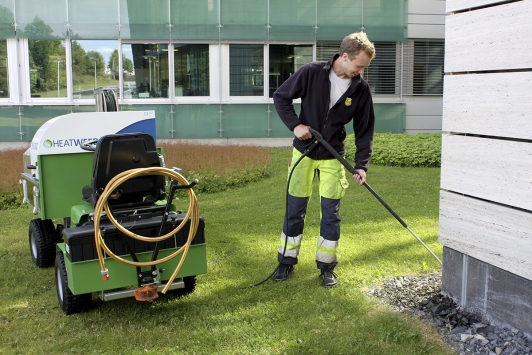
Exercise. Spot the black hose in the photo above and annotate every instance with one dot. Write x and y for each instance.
(310, 147)
(352, 170)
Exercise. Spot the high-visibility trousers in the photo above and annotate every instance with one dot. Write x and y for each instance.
(332, 186)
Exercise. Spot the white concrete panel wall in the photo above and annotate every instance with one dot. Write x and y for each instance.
(462, 5)
(490, 169)
(492, 38)
(487, 231)
(426, 18)
(495, 104)
(486, 174)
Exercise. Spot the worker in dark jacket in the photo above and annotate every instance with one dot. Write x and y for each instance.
(332, 95)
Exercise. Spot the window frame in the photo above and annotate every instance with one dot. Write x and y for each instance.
(12, 72)
(137, 101)
(25, 88)
(214, 76)
(225, 96)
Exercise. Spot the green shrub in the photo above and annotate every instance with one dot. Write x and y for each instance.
(212, 182)
(10, 200)
(407, 150)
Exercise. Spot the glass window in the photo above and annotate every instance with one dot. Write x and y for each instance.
(4, 76)
(246, 70)
(285, 60)
(145, 70)
(191, 65)
(47, 68)
(428, 67)
(381, 74)
(94, 65)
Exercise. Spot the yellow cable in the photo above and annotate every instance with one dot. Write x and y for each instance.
(192, 214)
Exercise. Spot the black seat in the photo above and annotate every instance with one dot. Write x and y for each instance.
(120, 152)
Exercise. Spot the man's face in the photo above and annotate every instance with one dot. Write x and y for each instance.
(356, 66)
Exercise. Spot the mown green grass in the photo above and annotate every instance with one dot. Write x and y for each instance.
(226, 316)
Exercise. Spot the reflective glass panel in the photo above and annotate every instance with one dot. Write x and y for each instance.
(145, 70)
(7, 19)
(285, 59)
(246, 70)
(4, 74)
(382, 20)
(93, 19)
(194, 19)
(244, 19)
(191, 66)
(41, 19)
(11, 125)
(292, 20)
(94, 65)
(47, 68)
(141, 19)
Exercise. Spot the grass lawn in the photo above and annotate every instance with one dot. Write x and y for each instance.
(226, 316)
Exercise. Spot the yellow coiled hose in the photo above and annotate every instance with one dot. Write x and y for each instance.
(192, 214)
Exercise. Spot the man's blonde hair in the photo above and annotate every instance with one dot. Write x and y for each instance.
(356, 42)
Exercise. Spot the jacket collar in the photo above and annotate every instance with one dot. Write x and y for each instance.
(328, 65)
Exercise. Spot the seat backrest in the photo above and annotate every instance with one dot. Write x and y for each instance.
(120, 152)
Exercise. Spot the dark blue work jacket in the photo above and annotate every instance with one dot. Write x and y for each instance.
(311, 83)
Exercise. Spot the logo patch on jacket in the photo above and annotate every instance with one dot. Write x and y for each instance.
(348, 101)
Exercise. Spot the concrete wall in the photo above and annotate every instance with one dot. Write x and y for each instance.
(426, 19)
(486, 197)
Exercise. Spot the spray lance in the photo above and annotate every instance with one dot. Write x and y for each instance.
(352, 170)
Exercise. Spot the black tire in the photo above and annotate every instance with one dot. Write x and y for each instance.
(190, 286)
(42, 238)
(69, 303)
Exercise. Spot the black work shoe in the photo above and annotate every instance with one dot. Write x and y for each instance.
(283, 272)
(328, 278)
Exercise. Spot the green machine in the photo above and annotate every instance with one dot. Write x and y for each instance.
(104, 216)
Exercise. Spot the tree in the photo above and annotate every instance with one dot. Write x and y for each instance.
(79, 59)
(96, 57)
(45, 51)
(127, 64)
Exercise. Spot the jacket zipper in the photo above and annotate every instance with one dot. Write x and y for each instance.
(329, 110)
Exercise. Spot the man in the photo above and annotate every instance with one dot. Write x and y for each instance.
(332, 94)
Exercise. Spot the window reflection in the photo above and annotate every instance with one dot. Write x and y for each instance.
(94, 65)
(145, 70)
(4, 78)
(47, 68)
(191, 65)
(285, 60)
(246, 70)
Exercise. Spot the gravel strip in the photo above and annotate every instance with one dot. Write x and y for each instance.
(465, 332)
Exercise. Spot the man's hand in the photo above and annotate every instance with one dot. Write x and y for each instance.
(360, 176)
(302, 132)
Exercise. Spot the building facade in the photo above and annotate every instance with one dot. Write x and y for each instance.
(485, 222)
(209, 68)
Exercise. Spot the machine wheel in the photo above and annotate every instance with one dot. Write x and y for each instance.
(42, 239)
(68, 302)
(190, 286)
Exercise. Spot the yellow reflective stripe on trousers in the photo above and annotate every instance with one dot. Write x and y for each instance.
(292, 246)
(326, 251)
